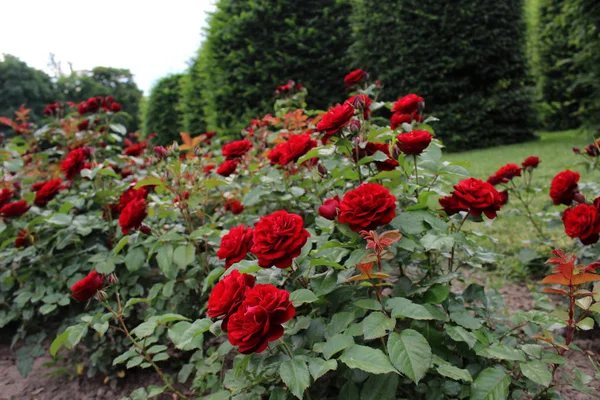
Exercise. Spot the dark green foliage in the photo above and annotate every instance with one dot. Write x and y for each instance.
(162, 114)
(20, 84)
(104, 81)
(192, 104)
(465, 57)
(254, 46)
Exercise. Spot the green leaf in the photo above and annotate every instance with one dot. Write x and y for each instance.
(184, 255)
(338, 323)
(134, 362)
(164, 257)
(464, 319)
(47, 308)
(368, 304)
(124, 240)
(410, 353)
(404, 308)
(502, 352)
(379, 387)
(197, 328)
(76, 333)
(60, 219)
(135, 259)
(437, 242)
(367, 359)
(491, 384)
(160, 357)
(151, 180)
(145, 329)
(336, 343)
(437, 294)
(124, 357)
(538, 372)
(134, 301)
(253, 197)
(376, 325)
(163, 319)
(302, 296)
(319, 367)
(460, 334)
(455, 373)
(58, 342)
(106, 267)
(295, 375)
(157, 348)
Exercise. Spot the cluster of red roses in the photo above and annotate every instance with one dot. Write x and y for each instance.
(354, 78)
(290, 151)
(233, 152)
(592, 150)
(134, 149)
(53, 110)
(252, 314)
(406, 110)
(75, 161)
(276, 240)
(95, 104)
(132, 207)
(582, 220)
(289, 87)
(506, 173)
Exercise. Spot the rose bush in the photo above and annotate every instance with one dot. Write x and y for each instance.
(291, 270)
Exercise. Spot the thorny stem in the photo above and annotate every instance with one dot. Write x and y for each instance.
(119, 317)
(525, 204)
(451, 262)
(416, 169)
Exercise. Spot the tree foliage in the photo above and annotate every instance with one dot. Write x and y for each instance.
(254, 46)
(193, 102)
(467, 58)
(21, 84)
(163, 115)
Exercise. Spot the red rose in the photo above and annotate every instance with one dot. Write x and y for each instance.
(133, 215)
(372, 148)
(51, 109)
(354, 78)
(505, 174)
(564, 187)
(86, 288)
(235, 245)
(474, 196)
(5, 195)
(115, 107)
(233, 206)
(227, 168)
(582, 222)
(207, 169)
(408, 104)
(236, 149)
(593, 150)
(130, 195)
(296, 147)
(330, 208)
(258, 320)
(83, 125)
(334, 120)
(361, 101)
(160, 152)
(530, 163)
(367, 207)
(278, 239)
(135, 150)
(413, 143)
(14, 209)
(275, 154)
(82, 108)
(47, 192)
(22, 240)
(504, 197)
(74, 162)
(227, 295)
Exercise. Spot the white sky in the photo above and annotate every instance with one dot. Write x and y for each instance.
(152, 38)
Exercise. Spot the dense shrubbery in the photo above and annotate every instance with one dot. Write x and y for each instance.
(163, 114)
(312, 259)
(467, 58)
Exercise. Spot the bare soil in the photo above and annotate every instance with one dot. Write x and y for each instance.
(39, 385)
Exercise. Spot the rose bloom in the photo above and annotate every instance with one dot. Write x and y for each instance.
(503, 197)
(227, 295)
(330, 208)
(413, 143)
(367, 207)
(370, 149)
(334, 120)
(22, 240)
(258, 320)
(361, 101)
(87, 288)
(582, 222)
(207, 169)
(275, 153)
(227, 168)
(47, 192)
(505, 174)
(563, 187)
(74, 162)
(236, 149)
(474, 196)
(133, 215)
(530, 163)
(233, 206)
(5, 195)
(354, 78)
(135, 150)
(296, 147)
(278, 239)
(115, 107)
(235, 245)
(130, 195)
(408, 104)
(14, 209)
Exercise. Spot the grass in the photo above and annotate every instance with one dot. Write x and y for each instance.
(512, 229)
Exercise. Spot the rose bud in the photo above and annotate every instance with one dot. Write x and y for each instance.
(576, 150)
(146, 230)
(330, 208)
(579, 198)
(160, 152)
(322, 170)
(354, 127)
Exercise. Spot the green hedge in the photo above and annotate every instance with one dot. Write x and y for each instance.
(465, 57)
(162, 113)
(253, 46)
(192, 100)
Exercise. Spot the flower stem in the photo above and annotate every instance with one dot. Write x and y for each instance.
(416, 169)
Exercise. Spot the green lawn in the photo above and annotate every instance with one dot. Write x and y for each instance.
(513, 230)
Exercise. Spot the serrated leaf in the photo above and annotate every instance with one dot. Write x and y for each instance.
(455, 373)
(295, 375)
(148, 181)
(460, 334)
(404, 308)
(537, 371)
(410, 353)
(336, 343)
(367, 359)
(319, 367)
(58, 342)
(302, 296)
(184, 255)
(376, 325)
(135, 259)
(491, 384)
(134, 362)
(144, 329)
(437, 242)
